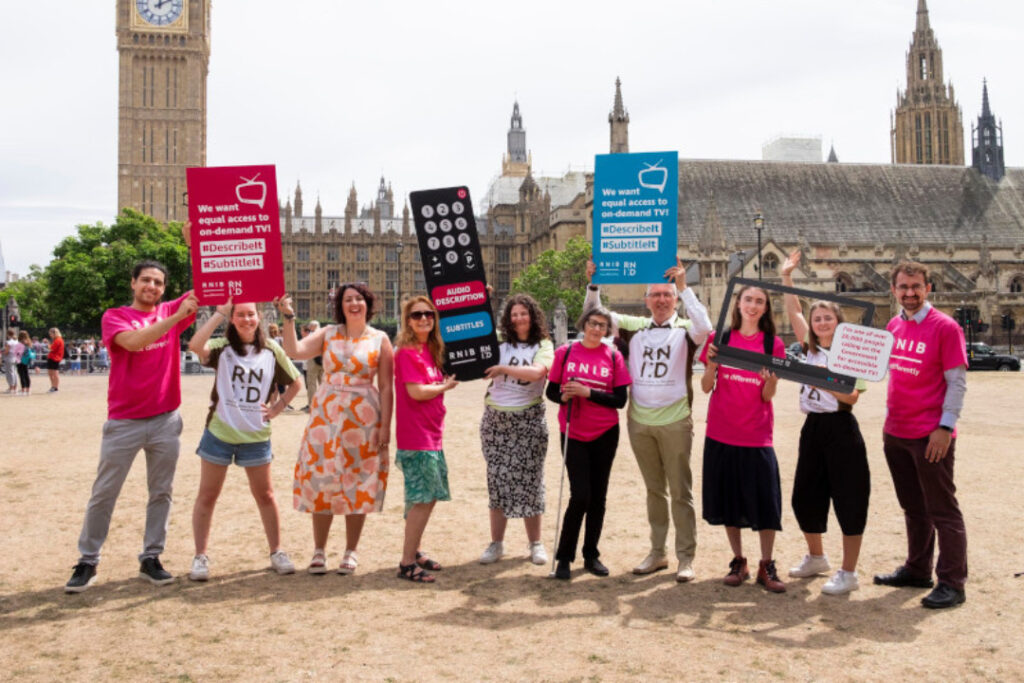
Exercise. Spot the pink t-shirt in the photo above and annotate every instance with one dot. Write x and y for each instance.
(920, 355)
(146, 382)
(596, 369)
(418, 424)
(736, 414)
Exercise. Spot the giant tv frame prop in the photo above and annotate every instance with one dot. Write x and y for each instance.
(787, 368)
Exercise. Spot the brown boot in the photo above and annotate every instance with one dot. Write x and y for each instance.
(738, 572)
(769, 578)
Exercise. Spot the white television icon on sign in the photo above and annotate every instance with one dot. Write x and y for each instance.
(248, 196)
(646, 176)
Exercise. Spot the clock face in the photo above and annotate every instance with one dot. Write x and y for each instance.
(159, 12)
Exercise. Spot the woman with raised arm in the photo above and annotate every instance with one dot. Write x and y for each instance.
(343, 461)
(420, 386)
(238, 424)
(741, 473)
(832, 464)
(514, 428)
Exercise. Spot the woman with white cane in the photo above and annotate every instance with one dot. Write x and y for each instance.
(594, 374)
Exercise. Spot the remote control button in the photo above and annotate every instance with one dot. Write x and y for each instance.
(458, 208)
(430, 227)
(451, 257)
(446, 225)
(467, 256)
(433, 243)
(464, 239)
(427, 211)
(461, 223)
(448, 241)
(442, 209)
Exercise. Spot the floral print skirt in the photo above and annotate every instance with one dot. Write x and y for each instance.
(514, 444)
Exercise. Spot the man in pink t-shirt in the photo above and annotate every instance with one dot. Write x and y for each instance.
(927, 383)
(143, 396)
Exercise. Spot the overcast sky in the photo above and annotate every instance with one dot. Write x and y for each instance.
(421, 92)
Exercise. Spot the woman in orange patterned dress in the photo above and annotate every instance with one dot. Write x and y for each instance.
(343, 462)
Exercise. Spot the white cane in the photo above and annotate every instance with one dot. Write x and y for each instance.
(561, 487)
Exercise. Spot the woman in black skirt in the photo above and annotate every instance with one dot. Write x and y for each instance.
(741, 474)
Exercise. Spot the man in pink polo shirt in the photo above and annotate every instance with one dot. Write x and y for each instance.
(927, 383)
(143, 396)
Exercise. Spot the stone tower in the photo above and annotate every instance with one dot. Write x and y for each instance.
(618, 121)
(516, 161)
(987, 142)
(927, 126)
(164, 56)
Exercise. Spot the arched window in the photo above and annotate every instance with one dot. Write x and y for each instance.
(844, 282)
(1017, 284)
(936, 284)
(770, 263)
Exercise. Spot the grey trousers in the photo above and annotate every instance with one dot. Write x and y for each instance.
(158, 436)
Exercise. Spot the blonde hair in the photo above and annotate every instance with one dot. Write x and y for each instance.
(406, 336)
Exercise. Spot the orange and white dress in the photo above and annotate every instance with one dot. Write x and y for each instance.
(337, 472)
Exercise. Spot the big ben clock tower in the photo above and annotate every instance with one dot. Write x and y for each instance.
(165, 53)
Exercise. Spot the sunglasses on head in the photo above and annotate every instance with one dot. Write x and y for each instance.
(419, 315)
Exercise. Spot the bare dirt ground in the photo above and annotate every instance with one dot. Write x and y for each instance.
(496, 622)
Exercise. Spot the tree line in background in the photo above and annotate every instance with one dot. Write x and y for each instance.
(90, 272)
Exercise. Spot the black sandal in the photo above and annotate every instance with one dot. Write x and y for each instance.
(427, 563)
(415, 573)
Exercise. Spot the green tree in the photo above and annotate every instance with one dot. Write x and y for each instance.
(558, 275)
(91, 271)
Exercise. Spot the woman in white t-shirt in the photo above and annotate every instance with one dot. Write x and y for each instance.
(514, 428)
(832, 464)
(238, 425)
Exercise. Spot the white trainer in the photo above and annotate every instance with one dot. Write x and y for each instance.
(200, 568)
(537, 553)
(685, 574)
(281, 563)
(841, 582)
(812, 565)
(495, 551)
(654, 562)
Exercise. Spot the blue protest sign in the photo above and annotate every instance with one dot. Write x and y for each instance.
(636, 203)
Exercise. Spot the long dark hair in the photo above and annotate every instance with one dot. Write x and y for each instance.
(538, 325)
(364, 291)
(258, 341)
(406, 337)
(766, 323)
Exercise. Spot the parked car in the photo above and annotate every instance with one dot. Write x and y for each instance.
(984, 358)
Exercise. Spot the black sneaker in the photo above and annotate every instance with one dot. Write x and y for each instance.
(151, 570)
(83, 577)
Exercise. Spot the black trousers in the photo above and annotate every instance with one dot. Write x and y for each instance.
(589, 464)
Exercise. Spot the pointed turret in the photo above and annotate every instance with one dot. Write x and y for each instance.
(318, 223)
(987, 141)
(922, 17)
(298, 200)
(516, 161)
(618, 122)
(832, 158)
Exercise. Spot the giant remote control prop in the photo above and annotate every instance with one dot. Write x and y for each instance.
(454, 273)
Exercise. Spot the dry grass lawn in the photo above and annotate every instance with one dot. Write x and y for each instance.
(496, 622)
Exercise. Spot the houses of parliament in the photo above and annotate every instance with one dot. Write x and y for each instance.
(852, 222)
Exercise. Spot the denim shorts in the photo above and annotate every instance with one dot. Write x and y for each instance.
(213, 450)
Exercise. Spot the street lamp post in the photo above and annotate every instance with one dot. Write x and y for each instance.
(398, 251)
(759, 226)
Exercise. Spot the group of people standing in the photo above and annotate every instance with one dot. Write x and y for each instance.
(343, 458)
(19, 356)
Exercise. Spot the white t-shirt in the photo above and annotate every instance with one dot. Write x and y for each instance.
(509, 392)
(814, 399)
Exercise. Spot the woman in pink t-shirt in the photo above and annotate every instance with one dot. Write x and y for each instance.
(419, 411)
(741, 473)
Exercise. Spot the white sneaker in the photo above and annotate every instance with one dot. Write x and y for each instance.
(495, 551)
(281, 563)
(812, 565)
(685, 574)
(841, 582)
(654, 562)
(537, 553)
(200, 568)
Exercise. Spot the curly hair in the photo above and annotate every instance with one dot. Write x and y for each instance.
(766, 323)
(538, 324)
(368, 296)
(406, 336)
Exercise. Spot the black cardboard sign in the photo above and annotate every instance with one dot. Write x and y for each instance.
(454, 273)
(786, 368)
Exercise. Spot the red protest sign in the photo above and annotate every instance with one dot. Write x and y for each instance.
(236, 234)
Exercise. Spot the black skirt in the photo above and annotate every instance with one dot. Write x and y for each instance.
(741, 486)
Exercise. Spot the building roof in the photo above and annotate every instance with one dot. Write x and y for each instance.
(851, 203)
(505, 189)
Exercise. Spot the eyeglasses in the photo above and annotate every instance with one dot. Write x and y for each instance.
(597, 324)
(419, 315)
